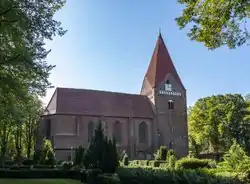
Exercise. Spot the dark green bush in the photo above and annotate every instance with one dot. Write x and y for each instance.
(91, 175)
(161, 153)
(108, 179)
(28, 162)
(67, 165)
(158, 176)
(40, 173)
(125, 160)
(193, 163)
(156, 163)
(102, 153)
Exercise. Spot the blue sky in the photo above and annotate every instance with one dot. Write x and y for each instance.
(109, 44)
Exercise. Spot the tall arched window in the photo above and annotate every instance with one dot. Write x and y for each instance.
(90, 130)
(143, 132)
(118, 131)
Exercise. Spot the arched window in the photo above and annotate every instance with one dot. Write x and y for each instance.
(118, 131)
(90, 130)
(143, 132)
(170, 104)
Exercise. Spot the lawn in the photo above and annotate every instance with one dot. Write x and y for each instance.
(38, 181)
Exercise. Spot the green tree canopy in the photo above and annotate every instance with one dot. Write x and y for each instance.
(216, 22)
(215, 121)
(24, 26)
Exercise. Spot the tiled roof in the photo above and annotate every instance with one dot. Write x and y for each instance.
(101, 103)
(160, 65)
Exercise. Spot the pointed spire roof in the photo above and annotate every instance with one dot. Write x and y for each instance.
(160, 65)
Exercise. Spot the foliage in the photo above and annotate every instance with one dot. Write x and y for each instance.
(216, 22)
(102, 153)
(161, 153)
(235, 159)
(215, 121)
(162, 176)
(125, 160)
(48, 156)
(25, 25)
(193, 163)
(79, 155)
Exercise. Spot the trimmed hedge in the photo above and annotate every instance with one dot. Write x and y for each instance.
(40, 173)
(159, 176)
(194, 163)
(144, 163)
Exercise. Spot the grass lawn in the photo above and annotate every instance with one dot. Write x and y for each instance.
(38, 181)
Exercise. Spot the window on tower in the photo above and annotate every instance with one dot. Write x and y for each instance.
(170, 104)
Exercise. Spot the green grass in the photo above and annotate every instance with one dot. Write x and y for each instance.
(38, 181)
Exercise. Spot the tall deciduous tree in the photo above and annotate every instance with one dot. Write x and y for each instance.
(215, 121)
(216, 22)
(24, 26)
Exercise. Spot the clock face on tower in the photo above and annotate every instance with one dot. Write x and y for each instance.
(168, 90)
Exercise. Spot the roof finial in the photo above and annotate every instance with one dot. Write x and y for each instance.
(159, 31)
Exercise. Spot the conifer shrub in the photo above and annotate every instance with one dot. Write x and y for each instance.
(161, 153)
(79, 156)
(235, 159)
(102, 153)
(125, 160)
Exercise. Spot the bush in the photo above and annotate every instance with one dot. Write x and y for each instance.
(38, 156)
(193, 163)
(91, 175)
(108, 179)
(161, 153)
(125, 160)
(235, 159)
(156, 163)
(79, 156)
(102, 153)
(67, 165)
(149, 176)
(50, 158)
(28, 162)
(41, 173)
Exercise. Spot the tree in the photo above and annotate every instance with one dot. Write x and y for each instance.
(102, 153)
(25, 25)
(161, 153)
(216, 22)
(215, 121)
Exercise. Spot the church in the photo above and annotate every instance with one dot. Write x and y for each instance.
(140, 123)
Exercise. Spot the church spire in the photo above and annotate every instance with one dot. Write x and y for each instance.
(160, 65)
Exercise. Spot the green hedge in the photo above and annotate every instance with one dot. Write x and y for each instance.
(144, 163)
(159, 176)
(194, 163)
(40, 173)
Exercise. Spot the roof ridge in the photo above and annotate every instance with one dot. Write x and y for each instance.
(97, 90)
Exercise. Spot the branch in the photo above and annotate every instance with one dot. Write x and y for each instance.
(6, 11)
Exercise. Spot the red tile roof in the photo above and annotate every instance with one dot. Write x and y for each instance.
(102, 103)
(160, 65)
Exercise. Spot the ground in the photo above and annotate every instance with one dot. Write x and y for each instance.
(38, 181)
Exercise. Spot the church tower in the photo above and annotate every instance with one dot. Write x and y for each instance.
(163, 86)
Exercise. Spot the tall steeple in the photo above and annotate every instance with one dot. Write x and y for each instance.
(160, 65)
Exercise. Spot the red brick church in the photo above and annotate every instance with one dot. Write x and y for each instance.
(139, 122)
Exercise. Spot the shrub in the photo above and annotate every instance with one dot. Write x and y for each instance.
(159, 176)
(235, 159)
(37, 157)
(102, 153)
(91, 175)
(156, 163)
(28, 162)
(50, 158)
(161, 153)
(67, 165)
(193, 163)
(125, 160)
(79, 156)
(40, 173)
(171, 161)
(108, 179)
